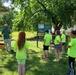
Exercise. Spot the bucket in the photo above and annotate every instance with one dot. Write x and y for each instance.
(2, 46)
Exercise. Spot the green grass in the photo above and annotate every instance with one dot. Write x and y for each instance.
(28, 34)
(34, 66)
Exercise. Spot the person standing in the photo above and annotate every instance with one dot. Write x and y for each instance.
(57, 42)
(72, 53)
(46, 44)
(6, 34)
(63, 42)
(21, 49)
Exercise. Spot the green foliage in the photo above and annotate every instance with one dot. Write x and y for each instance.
(60, 13)
(7, 18)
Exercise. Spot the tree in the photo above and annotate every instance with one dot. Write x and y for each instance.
(7, 14)
(58, 12)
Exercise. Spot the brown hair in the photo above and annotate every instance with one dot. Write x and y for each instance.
(21, 39)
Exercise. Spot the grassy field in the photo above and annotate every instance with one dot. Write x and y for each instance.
(34, 66)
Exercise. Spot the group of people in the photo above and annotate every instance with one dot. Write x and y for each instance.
(59, 42)
(22, 52)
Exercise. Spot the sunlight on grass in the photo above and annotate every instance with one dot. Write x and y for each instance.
(28, 34)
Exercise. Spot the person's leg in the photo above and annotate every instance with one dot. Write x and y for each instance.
(71, 65)
(47, 54)
(23, 67)
(50, 48)
(44, 51)
(44, 54)
(63, 48)
(47, 51)
(19, 69)
(9, 44)
(56, 54)
(5, 42)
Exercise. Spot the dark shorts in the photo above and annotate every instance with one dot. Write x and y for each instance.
(57, 46)
(63, 44)
(45, 47)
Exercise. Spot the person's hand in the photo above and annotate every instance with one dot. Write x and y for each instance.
(3, 33)
(61, 43)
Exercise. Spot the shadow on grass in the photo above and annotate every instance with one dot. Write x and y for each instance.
(11, 65)
(1, 72)
(57, 68)
(35, 66)
(8, 63)
(46, 67)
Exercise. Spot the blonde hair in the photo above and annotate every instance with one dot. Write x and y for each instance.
(5, 25)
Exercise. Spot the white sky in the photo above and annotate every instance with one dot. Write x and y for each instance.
(7, 4)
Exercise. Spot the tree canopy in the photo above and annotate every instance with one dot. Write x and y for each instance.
(59, 13)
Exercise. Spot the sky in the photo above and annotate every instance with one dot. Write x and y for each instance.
(9, 5)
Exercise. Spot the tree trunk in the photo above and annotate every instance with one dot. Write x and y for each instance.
(57, 24)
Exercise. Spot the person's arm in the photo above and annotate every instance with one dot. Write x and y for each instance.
(51, 40)
(58, 41)
(9, 32)
(3, 32)
(62, 36)
(27, 51)
(15, 46)
(68, 39)
(69, 46)
(44, 42)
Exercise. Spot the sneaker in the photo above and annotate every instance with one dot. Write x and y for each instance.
(42, 58)
(56, 60)
(12, 51)
(68, 73)
(50, 51)
(46, 56)
(61, 52)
